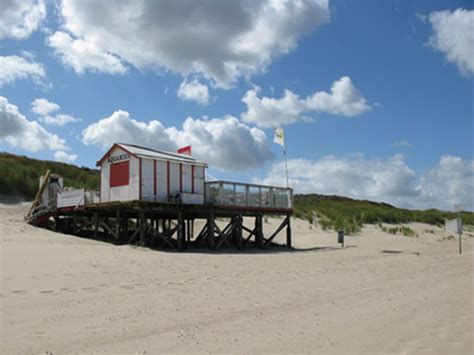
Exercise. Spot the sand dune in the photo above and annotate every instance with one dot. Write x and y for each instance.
(381, 294)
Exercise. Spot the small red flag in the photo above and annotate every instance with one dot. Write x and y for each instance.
(185, 150)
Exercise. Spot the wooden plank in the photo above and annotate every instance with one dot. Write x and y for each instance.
(39, 193)
(142, 227)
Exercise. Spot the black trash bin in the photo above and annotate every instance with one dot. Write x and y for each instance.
(340, 237)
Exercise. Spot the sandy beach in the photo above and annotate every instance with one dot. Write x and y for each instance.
(382, 293)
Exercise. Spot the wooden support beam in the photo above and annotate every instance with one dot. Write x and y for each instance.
(202, 234)
(238, 232)
(210, 231)
(288, 231)
(96, 225)
(142, 227)
(117, 225)
(225, 234)
(181, 232)
(259, 232)
(107, 228)
(283, 224)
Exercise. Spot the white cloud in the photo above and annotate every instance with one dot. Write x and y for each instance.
(194, 91)
(15, 67)
(344, 100)
(58, 120)
(386, 180)
(453, 35)
(269, 112)
(120, 127)
(64, 157)
(21, 18)
(450, 182)
(81, 55)
(402, 144)
(43, 107)
(224, 143)
(19, 132)
(220, 40)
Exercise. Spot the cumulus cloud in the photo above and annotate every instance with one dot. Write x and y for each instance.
(344, 99)
(453, 35)
(194, 91)
(17, 131)
(386, 180)
(220, 40)
(15, 67)
(225, 143)
(21, 18)
(43, 107)
(450, 182)
(64, 157)
(81, 55)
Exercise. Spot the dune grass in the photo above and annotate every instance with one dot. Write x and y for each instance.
(335, 212)
(19, 175)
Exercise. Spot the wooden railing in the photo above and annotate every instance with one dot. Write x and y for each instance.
(226, 193)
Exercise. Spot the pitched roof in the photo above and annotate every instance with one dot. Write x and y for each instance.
(149, 153)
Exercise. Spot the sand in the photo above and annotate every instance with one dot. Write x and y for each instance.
(380, 294)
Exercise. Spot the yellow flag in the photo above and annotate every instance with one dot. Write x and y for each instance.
(279, 137)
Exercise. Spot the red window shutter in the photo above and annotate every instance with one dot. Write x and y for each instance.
(120, 174)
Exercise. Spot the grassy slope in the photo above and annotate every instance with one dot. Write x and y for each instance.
(341, 212)
(19, 177)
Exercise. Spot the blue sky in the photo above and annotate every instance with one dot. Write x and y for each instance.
(397, 127)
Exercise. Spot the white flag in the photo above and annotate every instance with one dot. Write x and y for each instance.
(279, 137)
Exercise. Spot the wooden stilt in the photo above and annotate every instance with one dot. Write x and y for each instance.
(181, 232)
(142, 227)
(259, 232)
(288, 231)
(238, 232)
(96, 225)
(210, 231)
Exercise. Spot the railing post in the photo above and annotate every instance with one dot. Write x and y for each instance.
(247, 195)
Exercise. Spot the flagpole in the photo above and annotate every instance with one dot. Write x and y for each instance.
(286, 167)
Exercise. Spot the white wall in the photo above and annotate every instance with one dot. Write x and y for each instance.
(174, 178)
(162, 177)
(199, 179)
(119, 193)
(187, 178)
(147, 179)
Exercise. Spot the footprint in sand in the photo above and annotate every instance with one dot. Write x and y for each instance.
(47, 291)
(20, 292)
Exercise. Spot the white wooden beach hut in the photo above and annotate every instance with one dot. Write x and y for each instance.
(130, 172)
